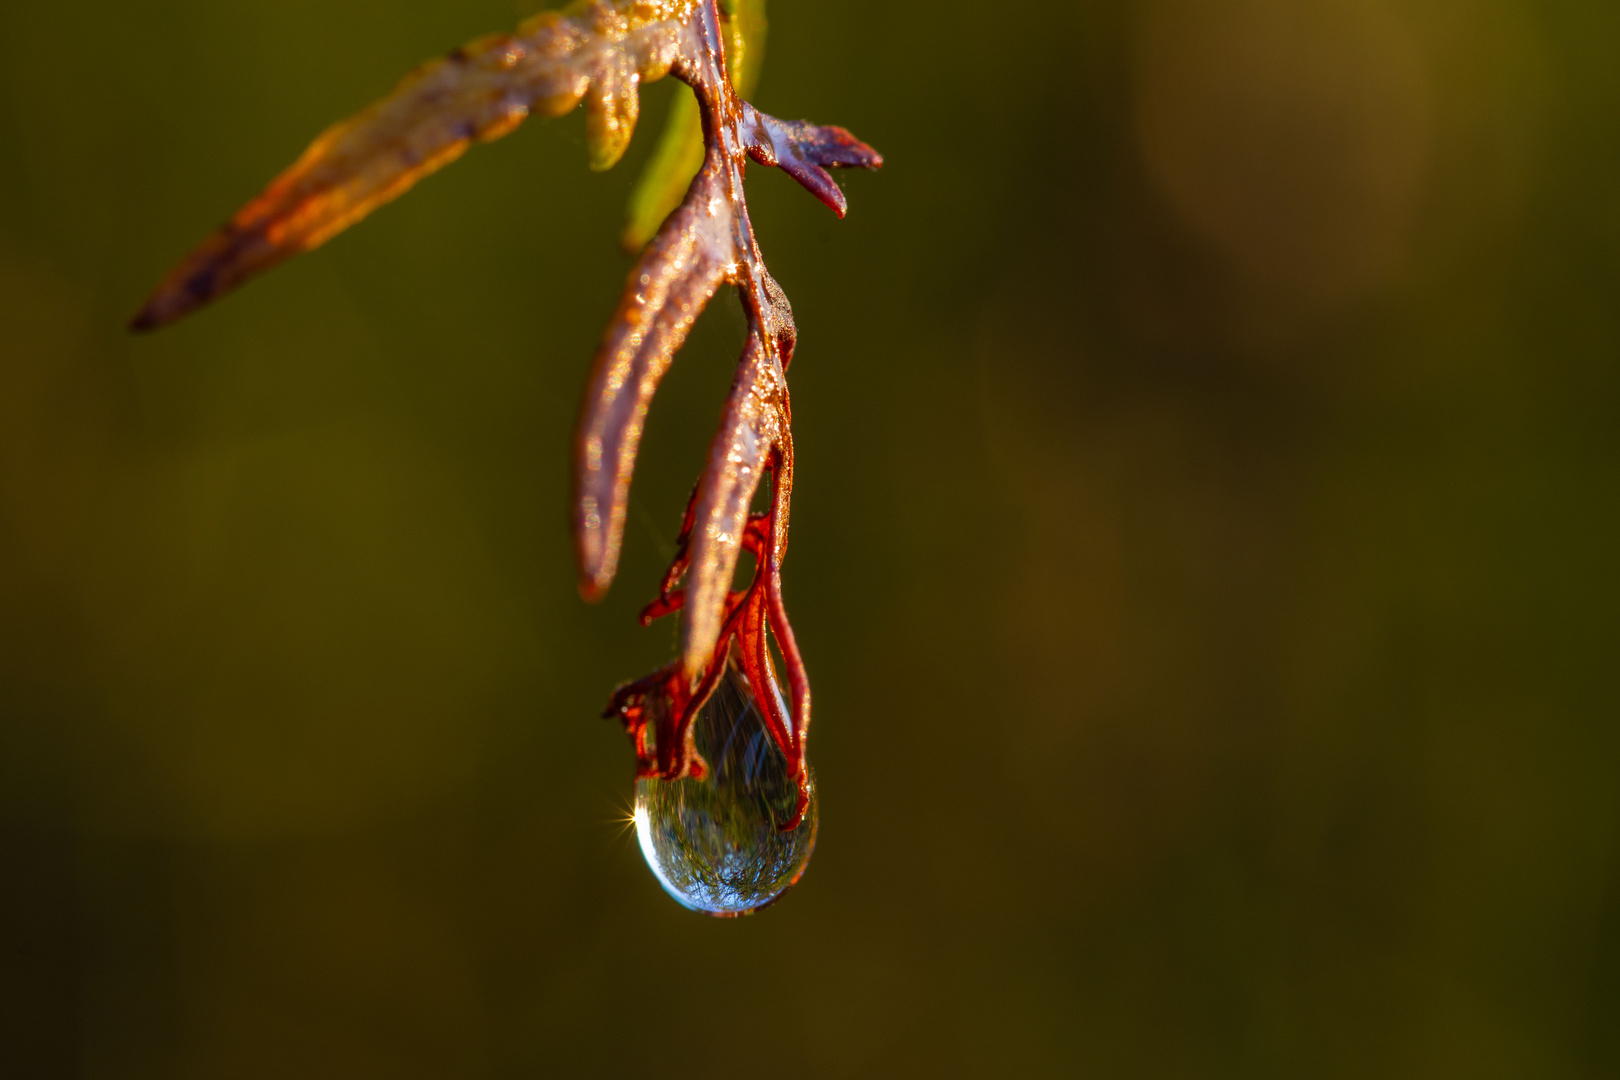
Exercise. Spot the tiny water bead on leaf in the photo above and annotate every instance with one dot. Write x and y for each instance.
(717, 842)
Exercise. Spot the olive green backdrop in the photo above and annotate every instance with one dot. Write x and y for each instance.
(1204, 551)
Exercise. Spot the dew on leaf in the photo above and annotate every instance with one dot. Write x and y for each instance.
(714, 843)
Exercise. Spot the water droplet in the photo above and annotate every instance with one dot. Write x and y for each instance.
(713, 843)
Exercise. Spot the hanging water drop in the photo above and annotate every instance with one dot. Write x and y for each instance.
(714, 843)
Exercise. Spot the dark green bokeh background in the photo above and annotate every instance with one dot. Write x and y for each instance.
(1204, 549)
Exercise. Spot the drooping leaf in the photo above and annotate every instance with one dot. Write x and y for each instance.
(595, 50)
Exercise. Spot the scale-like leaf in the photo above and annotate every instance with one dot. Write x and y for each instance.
(753, 429)
(669, 288)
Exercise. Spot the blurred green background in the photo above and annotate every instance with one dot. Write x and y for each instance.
(1204, 552)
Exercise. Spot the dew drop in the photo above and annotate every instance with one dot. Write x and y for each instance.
(713, 843)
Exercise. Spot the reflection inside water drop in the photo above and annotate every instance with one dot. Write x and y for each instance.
(713, 843)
